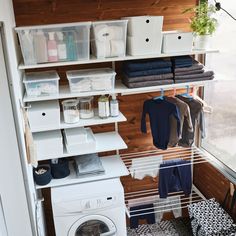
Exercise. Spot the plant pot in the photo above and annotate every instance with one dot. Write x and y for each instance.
(201, 42)
(41, 177)
(61, 169)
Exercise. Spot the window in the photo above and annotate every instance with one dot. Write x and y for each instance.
(221, 94)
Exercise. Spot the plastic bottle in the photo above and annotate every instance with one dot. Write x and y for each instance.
(61, 47)
(40, 47)
(71, 47)
(114, 106)
(52, 47)
(103, 107)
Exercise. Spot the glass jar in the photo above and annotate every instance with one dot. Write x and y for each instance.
(103, 107)
(86, 108)
(71, 111)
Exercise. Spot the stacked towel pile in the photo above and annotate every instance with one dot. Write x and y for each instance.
(186, 69)
(147, 73)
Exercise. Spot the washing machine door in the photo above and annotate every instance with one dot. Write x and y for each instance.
(93, 225)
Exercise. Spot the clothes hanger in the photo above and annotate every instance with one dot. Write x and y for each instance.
(186, 95)
(161, 97)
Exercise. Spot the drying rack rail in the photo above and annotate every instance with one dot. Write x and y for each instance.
(151, 196)
(144, 163)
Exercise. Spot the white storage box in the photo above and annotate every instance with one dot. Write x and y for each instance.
(108, 38)
(91, 79)
(76, 135)
(44, 114)
(80, 148)
(177, 42)
(143, 45)
(48, 144)
(53, 43)
(41, 83)
(150, 26)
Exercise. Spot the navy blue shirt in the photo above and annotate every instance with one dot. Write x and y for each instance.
(159, 114)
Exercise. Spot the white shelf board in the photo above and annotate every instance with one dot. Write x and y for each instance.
(126, 58)
(105, 142)
(113, 165)
(96, 120)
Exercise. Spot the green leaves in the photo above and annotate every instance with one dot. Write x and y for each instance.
(202, 22)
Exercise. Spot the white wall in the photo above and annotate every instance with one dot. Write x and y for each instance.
(12, 181)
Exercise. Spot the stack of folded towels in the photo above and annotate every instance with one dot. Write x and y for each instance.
(186, 69)
(147, 73)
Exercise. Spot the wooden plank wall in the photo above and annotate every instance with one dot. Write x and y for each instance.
(35, 12)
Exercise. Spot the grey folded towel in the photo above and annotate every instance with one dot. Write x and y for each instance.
(149, 77)
(193, 80)
(193, 72)
(196, 66)
(147, 83)
(189, 77)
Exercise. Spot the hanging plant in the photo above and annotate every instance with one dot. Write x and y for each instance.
(202, 23)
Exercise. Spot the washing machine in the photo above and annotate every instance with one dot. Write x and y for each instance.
(89, 209)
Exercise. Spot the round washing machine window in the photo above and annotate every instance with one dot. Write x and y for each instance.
(93, 225)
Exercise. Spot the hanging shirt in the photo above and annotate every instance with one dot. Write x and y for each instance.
(159, 114)
(196, 109)
(184, 113)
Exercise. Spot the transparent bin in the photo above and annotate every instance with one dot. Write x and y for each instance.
(41, 83)
(102, 79)
(108, 38)
(54, 43)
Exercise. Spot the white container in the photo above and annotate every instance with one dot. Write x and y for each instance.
(108, 38)
(202, 42)
(71, 111)
(48, 144)
(102, 79)
(144, 45)
(81, 148)
(76, 135)
(41, 83)
(43, 115)
(177, 42)
(139, 26)
(75, 36)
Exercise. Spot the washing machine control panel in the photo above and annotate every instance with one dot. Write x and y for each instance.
(98, 203)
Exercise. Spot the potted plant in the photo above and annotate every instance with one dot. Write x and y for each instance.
(202, 23)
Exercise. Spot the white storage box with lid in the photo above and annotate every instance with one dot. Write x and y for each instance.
(91, 80)
(108, 38)
(45, 114)
(78, 147)
(150, 26)
(53, 43)
(48, 144)
(177, 42)
(41, 83)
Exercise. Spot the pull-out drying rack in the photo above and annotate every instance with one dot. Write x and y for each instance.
(148, 196)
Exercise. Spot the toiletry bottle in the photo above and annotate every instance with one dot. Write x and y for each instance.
(28, 47)
(103, 107)
(71, 47)
(61, 47)
(114, 106)
(52, 48)
(40, 47)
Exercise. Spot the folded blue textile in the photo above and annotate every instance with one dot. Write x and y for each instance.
(183, 61)
(146, 65)
(148, 72)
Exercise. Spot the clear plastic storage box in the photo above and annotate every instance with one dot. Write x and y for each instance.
(102, 79)
(41, 83)
(108, 38)
(54, 43)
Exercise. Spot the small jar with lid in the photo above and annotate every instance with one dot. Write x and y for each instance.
(86, 107)
(71, 111)
(103, 107)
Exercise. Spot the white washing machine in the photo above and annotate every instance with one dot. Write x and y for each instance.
(89, 209)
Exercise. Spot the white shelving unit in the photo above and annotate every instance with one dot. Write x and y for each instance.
(96, 120)
(93, 60)
(108, 163)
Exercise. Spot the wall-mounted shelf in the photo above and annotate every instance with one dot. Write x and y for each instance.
(96, 120)
(120, 88)
(93, 60)
(108, 162)
(105, 142)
